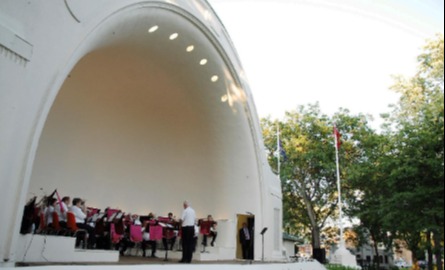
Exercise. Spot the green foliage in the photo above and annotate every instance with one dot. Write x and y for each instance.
(309, 173)
(415, 167)
(393, 182)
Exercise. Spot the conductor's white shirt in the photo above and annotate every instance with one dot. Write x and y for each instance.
(188, 217)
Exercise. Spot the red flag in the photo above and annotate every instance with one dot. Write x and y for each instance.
(59, 201)
(337, 137)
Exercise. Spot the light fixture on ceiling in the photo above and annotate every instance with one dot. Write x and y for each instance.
(153, 29)
(174, 36)
(190, 48)
(203, 62)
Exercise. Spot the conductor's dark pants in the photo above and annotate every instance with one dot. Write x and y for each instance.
(187, 243)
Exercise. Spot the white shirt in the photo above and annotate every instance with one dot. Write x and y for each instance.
(80, 216)
(49, 214)
(146, 236)
(137, 222)
(188, 217)
(62, 217)
(246, 233)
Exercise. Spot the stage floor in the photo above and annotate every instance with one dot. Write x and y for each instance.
(138, 260)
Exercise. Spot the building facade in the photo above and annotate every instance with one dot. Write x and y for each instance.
(132, 104)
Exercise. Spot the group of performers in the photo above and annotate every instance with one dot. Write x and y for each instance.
(150, 228)
(113, 228)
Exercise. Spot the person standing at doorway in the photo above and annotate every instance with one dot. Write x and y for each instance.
(188, 232)
(245, 237)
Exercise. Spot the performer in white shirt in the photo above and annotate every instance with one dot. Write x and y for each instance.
(188, 232)
(61, 210)
(49, 211)
(79, 211)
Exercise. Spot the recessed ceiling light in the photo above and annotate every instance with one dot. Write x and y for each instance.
(215, 78)
(153, 29)
(174, 36)
(190, 48)
(203, 62)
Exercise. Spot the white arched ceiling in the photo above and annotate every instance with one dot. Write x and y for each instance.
(150, 115)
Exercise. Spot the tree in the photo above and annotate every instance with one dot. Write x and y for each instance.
(364, 184)
(393, 182)
(308, 174)
(416, 169)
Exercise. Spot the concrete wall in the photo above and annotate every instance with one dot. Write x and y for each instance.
(43, 248)
(98, 106)
(290, 247)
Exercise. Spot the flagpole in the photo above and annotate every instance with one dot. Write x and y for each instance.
(341, 256)
(340, 201)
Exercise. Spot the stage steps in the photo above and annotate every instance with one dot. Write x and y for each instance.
(36, 248)
(215, 254)
(210, 254)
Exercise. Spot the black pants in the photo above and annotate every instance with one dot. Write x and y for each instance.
(246, 246)
(91, 234)
(188, 243)
(214, 235)
(153, 247)
(172, 243)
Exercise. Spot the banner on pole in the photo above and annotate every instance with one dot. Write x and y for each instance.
(337, 135)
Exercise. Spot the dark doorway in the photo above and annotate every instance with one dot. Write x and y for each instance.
(250, 221)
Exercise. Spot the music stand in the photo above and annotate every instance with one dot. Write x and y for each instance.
(164, 227)
(262, 236)
(167, 225)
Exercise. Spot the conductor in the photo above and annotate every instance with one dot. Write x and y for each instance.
(188, 232)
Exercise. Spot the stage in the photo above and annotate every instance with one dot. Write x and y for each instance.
(57, 252)
(152, 264)
(133, 105)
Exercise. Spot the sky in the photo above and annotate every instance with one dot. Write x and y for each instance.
(340, 53)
